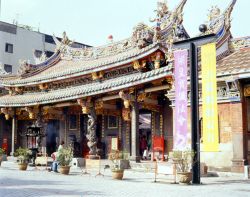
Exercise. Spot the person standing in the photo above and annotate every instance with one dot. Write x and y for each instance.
(143, 144)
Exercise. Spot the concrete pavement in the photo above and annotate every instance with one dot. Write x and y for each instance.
(31, 183)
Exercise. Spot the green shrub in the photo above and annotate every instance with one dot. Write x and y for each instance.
(64, 156)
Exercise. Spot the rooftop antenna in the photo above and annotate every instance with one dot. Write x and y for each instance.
(16, 19)
(0, 8)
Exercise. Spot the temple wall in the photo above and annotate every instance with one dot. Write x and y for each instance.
(230, 138)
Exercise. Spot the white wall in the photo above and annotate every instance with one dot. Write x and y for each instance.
(24, 42)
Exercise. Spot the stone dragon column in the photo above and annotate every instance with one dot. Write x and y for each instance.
(91, 133)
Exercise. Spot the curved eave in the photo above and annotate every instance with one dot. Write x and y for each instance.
(81, 71)
(62, 95)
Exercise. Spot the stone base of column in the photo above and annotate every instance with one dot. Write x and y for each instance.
(238, 165)
(135, 158)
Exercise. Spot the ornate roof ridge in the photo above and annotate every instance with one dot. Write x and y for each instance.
(239, 43)
(219, 22)
(81, 69)
(143, 35)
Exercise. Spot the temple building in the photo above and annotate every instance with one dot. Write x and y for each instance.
(112, 96)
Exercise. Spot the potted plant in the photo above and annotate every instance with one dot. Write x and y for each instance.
(2, 152)
(120, 162)
(64, 158)
(23, 155)
(183, 161)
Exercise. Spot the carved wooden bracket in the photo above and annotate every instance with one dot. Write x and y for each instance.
(97, 75)
(43, 86)
(127, 99)
(126, 114)
(7, 112)
(247, 91)
(138, 66)
(158, 58)
(19, 90)
(31, 112)
(141, 97)
(85, 104)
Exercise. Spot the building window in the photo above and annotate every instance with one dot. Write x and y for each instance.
(49, 53)
(112, 122)
(73, 122)
(9, 48)
(8, 68)
(38, 53)
(49, 39)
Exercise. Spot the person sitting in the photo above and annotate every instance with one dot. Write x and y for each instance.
(54, 155)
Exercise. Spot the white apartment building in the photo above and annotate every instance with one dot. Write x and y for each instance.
(20, 43)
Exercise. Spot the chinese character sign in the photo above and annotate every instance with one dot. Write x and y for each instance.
(209, 98)
(180, 65)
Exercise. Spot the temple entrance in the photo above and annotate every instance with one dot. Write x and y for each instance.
(52, 138)
(145, 133)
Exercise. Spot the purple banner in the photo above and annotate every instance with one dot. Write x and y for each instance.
(180, 74)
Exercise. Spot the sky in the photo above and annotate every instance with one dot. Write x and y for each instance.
(92, 21)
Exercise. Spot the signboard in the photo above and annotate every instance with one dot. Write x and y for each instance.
(209, 98)
(180, 74)
(158, 146)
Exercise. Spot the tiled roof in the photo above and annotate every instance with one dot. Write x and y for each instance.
(83, 90)
(236, 63)
(77, 67)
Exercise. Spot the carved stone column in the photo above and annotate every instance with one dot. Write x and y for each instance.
(135, 152)
(91, 133)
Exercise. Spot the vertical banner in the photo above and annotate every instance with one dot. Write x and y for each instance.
(180, 73)
(209, 98)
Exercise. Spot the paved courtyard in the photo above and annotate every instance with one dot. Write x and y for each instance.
(15, 183)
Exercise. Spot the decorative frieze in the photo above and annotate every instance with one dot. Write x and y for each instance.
(119, 72)
(224, 94)
(247, 91)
